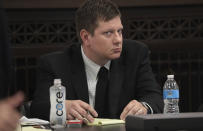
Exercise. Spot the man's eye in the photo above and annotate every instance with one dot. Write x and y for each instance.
(120, 31)
(108, 33)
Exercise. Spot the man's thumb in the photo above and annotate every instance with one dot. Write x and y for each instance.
(16, 99)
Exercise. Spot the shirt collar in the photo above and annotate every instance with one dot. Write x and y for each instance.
(91, 65)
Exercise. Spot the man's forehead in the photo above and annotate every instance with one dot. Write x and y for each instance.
(114, 22)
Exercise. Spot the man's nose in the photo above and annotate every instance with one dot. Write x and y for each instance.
(118, 38)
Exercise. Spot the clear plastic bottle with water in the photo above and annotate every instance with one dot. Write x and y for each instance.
(171, 95)
(57, 101)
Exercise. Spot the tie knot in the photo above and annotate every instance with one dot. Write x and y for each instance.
(103, 72)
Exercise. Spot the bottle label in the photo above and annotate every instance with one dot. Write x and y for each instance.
(59, 105)
(171, 94)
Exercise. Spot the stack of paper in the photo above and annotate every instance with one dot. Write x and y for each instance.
(32, 121)
(32, 124)
(102, 122)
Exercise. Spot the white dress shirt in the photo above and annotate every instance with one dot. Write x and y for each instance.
(92, 69)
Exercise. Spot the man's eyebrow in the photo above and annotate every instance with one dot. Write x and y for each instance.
(107, 30)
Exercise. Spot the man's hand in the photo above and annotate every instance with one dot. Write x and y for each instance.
(133, 108)
(80, 110)
(9, 116)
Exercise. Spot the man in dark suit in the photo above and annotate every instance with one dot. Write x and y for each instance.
(130, 87)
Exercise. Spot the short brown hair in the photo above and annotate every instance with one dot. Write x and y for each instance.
(91, 11)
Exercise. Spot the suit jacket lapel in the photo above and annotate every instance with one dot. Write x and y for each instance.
(115, 85)
(79, 76)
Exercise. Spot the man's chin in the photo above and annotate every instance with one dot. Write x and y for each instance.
(115, 57)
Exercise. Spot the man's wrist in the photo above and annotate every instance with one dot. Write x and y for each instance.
(149, 109)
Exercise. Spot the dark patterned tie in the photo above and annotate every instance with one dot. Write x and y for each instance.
(101, 98)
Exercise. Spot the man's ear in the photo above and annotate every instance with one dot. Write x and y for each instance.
(84, 35)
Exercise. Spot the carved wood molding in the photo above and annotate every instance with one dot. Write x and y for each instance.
(177, 26)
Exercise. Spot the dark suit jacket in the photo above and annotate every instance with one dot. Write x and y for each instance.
(131, 78)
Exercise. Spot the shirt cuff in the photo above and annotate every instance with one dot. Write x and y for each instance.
(148, 107)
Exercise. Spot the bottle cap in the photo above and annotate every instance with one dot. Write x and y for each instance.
(170, 76)
(57, 81)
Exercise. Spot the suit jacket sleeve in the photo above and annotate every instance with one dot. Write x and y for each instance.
(148, 89)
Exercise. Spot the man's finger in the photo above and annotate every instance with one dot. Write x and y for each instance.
(138, 109)
(85, 109)
(88, 108)
(76, 114)
(126, 110)
(82, 111)
(133, 110)
(70, 117)
(139, 112)
(89, 118)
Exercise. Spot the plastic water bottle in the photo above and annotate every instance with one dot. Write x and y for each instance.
(57, 100)
(171, 95)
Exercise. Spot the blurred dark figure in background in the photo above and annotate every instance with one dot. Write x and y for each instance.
(5, 60)
(9, 116)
